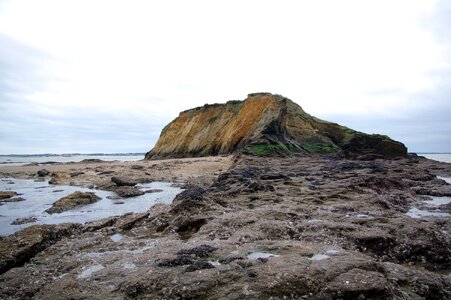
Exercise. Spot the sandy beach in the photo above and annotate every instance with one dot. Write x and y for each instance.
(200, 171)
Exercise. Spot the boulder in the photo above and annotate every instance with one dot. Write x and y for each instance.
(188, 199)
(128, 191)
(73, 200)
(43, 172)
(7, 194)
(120, 181)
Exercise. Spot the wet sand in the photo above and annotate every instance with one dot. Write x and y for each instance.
(185, 170)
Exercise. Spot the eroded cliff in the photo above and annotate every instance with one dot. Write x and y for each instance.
(262, 124)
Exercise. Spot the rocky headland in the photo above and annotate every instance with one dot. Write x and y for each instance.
(284, 217)
(261, 124)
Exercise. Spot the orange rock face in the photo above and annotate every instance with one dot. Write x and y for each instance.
(262, 124)
(213, 129)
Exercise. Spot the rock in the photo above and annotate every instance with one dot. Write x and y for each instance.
(73, 200)
(106, 172)
(92, 160)
(265, 124)
(119, 181)
(20, 221)
(19, 248)
(263, 259)
(187, 226)
(188, 200)
(334, 242)
(195, 193)
(128, 191)
(199, 251)
(58, 178)
(15, 199)
(229, 259)
(153, 191)
(199, 265)
(273, 177)
(127, 221)
(254, 187)
(137, 167)
(7, 195)
(357, 283)
(180, 260)
(43, 172)
(251, 273)
(75, 174)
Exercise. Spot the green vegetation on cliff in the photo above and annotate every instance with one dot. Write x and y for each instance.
(264, 149)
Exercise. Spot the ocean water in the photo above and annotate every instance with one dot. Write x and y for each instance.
(432, 208)
(443, 157)
(20, 160)
(40, 195)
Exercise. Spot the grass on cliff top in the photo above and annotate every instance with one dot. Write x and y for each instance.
(263, 149)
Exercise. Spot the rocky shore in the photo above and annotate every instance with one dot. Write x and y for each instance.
(248, 227)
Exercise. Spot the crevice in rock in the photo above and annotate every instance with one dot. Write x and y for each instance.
(23, 246)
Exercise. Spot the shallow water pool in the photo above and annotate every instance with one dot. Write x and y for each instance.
(419, 213)
(40, 195)
(447, 179)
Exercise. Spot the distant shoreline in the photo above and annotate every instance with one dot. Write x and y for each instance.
(127, 154)
(73, 154)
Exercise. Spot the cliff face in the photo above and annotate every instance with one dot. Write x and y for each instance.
(263, 124)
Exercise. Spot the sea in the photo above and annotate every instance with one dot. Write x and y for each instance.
(22, 160)
(443, 157)
(38, 196)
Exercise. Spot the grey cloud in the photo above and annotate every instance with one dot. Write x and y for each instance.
(19, 67)
(439, 21)
(423, 128)
(82, 130)
(28, 127)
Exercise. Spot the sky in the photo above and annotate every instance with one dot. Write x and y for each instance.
(107, 76)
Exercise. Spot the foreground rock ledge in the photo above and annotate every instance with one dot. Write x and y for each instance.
(312, 227)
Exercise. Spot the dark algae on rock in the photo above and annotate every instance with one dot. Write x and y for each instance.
(264, 124)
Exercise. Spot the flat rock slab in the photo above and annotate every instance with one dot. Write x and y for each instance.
(73, 200)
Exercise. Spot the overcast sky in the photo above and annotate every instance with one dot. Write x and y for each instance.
(107, 76)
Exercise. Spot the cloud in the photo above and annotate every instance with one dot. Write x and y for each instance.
(439, 21)
(29, 126)
(72, 81)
